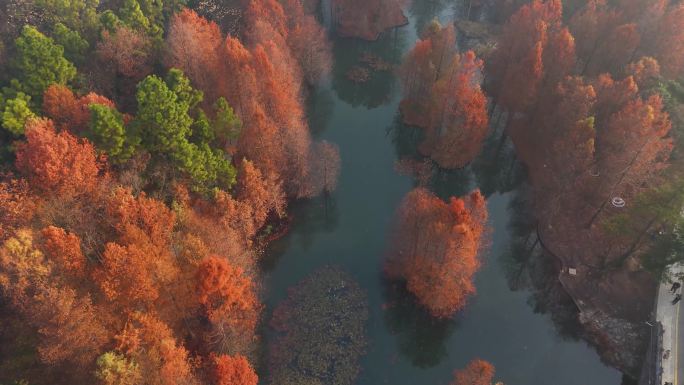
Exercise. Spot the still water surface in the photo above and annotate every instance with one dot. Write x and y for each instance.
(516, 323)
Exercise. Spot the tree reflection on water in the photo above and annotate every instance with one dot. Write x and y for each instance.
(421, 337)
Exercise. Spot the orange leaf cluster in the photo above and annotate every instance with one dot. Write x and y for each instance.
(281, 52)
(477, 372)
(435, 248)
(56, 163)
(234, 370)
(69, 111)
(442, 94)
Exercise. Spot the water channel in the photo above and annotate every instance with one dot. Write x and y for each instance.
(517, 320)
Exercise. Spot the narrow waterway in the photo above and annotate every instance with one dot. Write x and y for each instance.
(515, 321)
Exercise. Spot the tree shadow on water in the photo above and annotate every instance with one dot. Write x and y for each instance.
(496, 168)
(421, 337)
(378, 89)
(309, 218)
(528, 268)
(405, 138)
(320, 105)
(425, 11)
(448, 183)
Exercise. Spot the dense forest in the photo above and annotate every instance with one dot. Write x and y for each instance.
(151, 150)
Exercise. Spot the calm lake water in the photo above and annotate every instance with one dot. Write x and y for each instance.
(516, 321)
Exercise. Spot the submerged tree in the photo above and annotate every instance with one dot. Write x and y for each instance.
(442, 94)
(320, 331)
(477, 372)
(435, 248)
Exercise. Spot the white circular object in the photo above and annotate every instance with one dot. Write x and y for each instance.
(618, 202)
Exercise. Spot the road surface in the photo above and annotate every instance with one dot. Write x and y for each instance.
(670, 317)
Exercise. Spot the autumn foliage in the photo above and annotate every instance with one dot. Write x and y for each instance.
(582, 90)
(130, 232)
(69, 111)
(126, 53)
(112, 279)
(477, 372)
(442, 95)
(593, 102)
(234, 370)
(435, 248)
(224, 291)
(265, 86)
(56, 162)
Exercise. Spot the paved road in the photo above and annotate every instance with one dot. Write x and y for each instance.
(679, 360)
(670, 317)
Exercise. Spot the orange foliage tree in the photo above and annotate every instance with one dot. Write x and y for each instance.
(233, 370)
(535, 52)
(435, 248)
(459, 114)
(69, 111)
(138, 263)
(64, 249)
(103, 253)
(126, 52)
(229, 300)
(69, 328)
(442, 94)
(18, 206)
(56, 163)
(275, 136)
(152, 346)
(421, 69)
(310, 46)
(297, 28)
(477, 372)
(262, 194)
(193, 45)
(669, 43)
(633, 149)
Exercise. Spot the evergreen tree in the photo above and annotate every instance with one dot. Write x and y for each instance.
(16, 113)
(38, 63)
(75, 47)
(166, 127)
(109, 133)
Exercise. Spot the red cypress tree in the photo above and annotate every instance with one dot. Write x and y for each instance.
(435, 248)
(233, 370)
(534, 53)
(477, 372)
(228, 297)
(69, 111)
(56, 163)
(458, 115)
(64, 249)
(193, 44)
(669, 48)
(126, 52)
